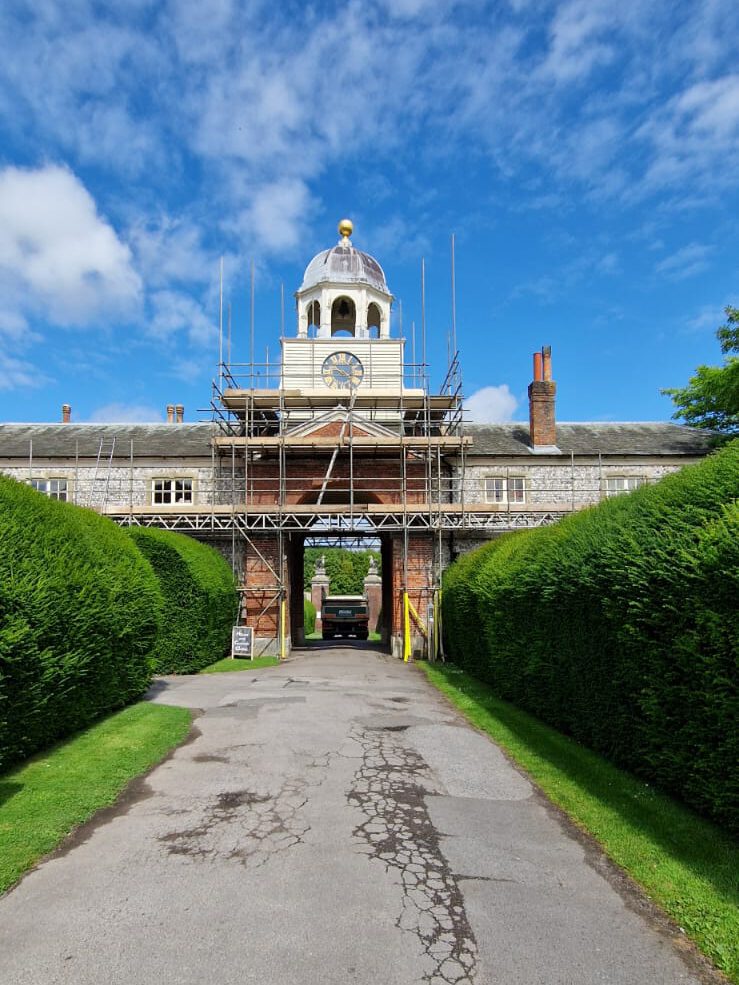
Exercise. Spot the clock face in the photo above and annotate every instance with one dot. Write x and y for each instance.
(342, 369)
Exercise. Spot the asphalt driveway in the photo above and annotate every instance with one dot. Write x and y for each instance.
(333, 820)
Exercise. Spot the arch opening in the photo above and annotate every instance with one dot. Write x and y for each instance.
(313, 315)
(374, 320)
(378, 592)
(343, 317)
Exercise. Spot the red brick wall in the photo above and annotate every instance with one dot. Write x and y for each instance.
(378, 479)
(262, 586)
(420, 573)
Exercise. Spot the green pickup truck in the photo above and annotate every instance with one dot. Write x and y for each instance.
(345, 615)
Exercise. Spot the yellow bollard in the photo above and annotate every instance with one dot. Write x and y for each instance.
(283, 606)
(406, 629)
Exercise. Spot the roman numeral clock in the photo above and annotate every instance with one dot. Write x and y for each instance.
(341, 370)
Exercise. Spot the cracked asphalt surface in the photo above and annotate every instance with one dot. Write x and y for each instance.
(333, 820)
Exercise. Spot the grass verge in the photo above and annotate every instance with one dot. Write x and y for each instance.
(45, 798)
(685, 864)
(229, 664)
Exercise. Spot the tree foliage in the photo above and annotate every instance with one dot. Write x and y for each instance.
(619, 627)
(346, 569)
(711, 398)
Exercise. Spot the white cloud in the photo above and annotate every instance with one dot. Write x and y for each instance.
(491, 405)
(69, 261)
(708, 318)
(579, 40)
(15, 374)
(174, 313)
(170, 249)
(119, 413)
(13, 325)
(685, 262)
(695, 135)
(277, 215)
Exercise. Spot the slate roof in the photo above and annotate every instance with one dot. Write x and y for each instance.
(193, 440)
(151, 440)
(584, 438)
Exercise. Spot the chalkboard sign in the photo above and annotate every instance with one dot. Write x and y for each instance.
(242, 641)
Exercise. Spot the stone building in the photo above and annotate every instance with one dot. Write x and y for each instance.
(344, 442)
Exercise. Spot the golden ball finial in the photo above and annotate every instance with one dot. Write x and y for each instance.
(346, 228)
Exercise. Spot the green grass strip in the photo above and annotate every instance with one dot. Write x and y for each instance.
(229, 665)
(685, 864)
(44, 799)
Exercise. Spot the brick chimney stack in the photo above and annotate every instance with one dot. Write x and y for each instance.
(66, 413)
(180, 412)
(542, 391)
(170, 413)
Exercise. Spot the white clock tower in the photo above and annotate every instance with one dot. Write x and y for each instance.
(343, 345)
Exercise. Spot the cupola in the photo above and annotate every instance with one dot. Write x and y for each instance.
(344, 292)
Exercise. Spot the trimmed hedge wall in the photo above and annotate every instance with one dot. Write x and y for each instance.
(619, 626)
(80, 610)
(200, 600)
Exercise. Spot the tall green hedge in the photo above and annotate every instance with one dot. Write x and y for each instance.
(79, 613)
(619, 626)
(200, 600)
(309, 617)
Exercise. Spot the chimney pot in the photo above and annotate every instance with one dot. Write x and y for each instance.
(180, 411)
(542, 392)
(546, 353)
(66, 413)
(170, 413)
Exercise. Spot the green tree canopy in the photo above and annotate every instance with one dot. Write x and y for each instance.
(711, 398)
(346, 569)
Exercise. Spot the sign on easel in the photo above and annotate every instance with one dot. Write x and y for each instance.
(242, 642)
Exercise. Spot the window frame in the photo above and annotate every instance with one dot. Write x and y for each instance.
(637, 480)
(186, 497)
(511, 496)
(62, 493)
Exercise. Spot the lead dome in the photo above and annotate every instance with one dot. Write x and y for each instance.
(344, 292)
(344, 264)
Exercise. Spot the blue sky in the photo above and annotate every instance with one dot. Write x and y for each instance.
(584, 153)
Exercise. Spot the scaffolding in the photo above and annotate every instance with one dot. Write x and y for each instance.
(350, 463)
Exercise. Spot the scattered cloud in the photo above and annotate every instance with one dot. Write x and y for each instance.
(685, 262)
(491, 405)
(119, 413)
(694, 136)
(17, 374)
(174, 314)
(708, 318)
(67, 258)
(277, 215)
(170, 250)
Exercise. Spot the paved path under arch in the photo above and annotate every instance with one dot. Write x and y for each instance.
(334, 821)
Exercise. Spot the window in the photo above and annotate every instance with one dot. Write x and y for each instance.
(53, 488)
(494, 490)
(168, 491)
(617, 484)
(501, 490)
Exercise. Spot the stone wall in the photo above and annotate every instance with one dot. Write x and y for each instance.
(121, 485)
(558, 483)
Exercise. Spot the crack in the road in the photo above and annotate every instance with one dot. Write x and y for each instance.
(244, 825)
(390, 788)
